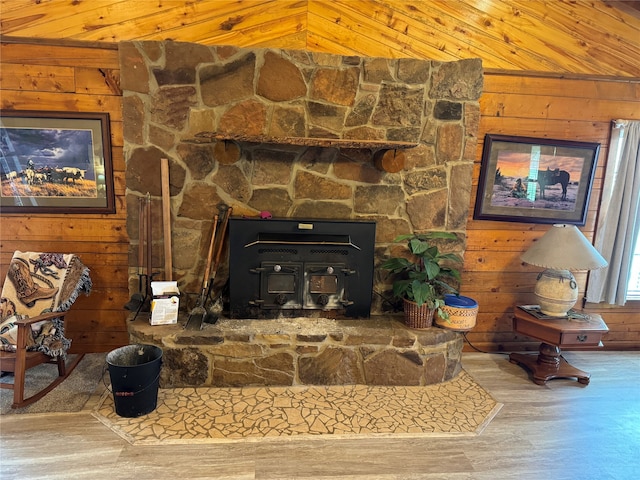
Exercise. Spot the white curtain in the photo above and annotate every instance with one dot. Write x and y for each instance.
(618, 222)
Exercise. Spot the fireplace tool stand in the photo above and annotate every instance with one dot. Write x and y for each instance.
(141, 300)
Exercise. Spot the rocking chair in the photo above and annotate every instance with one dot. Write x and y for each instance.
(38, 289)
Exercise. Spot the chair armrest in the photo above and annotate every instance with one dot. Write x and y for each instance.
(25, 323)
(39, 318)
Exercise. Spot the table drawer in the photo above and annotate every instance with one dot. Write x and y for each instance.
(581, 339)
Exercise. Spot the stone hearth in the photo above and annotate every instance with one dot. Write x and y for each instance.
(303, 351)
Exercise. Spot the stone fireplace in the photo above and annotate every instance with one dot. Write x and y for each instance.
(301, 135)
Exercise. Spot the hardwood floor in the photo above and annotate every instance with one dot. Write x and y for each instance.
(562, 430)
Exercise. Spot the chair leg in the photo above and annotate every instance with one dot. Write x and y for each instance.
(62, 366)
(18, 376)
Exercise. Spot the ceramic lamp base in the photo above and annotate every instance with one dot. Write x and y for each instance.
(556, 292)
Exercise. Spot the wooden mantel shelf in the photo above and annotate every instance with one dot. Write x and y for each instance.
(209, 137)
(388, 156)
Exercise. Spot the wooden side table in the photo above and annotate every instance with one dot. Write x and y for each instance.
(574, 334)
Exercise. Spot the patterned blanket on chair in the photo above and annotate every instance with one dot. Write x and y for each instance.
(38, 283)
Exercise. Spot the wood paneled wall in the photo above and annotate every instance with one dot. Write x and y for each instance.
(85, 79)
(546, 107)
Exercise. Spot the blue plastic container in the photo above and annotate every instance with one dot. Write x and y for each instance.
(462, 313)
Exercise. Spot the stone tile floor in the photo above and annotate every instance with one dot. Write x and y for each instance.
(205, 415)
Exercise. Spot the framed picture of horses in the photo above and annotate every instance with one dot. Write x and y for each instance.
(55, 162)
(535, 180)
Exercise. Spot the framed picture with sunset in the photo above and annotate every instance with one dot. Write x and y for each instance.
(535, 180)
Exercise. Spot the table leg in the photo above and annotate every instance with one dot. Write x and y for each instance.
(549, 364)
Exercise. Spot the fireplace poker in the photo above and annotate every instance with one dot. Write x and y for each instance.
(198, 313)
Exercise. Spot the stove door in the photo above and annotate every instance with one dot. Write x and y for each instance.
(324, 286)
(280, 285)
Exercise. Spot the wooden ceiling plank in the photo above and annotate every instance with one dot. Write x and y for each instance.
(485, 25)
(343, 21)
(539, 38)
(472, 27)
(290, 41)
(621, 9)
(565, 39)
(417, 38)
(350, 42)
(259, 35)
(84, 23)
(469, 30)
(252, 30)
(363, 24)
(176, 24)
(320, 43)
(623, 29)
(279, 39)
(597, 37)
(526, 38)
(603, 44)
(60, 18)
(263, 19)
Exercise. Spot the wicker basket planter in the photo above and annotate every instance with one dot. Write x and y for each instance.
(462, 313)
(423, 275)
(417, 316)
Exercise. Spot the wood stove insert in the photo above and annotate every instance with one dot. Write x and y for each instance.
(289, 267)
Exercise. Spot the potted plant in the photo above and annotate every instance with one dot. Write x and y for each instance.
(423, 277)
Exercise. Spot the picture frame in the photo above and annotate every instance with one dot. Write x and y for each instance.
(535, 180)
(56, 162)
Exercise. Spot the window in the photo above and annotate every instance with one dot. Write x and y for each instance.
(619, 220)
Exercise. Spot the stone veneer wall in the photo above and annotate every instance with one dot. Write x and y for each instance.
(174, 91)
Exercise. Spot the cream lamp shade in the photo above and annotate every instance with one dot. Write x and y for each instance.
(562, 249)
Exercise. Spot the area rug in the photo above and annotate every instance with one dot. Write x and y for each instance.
(209, 415)
(70, 396)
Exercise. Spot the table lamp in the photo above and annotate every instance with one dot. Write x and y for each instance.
(561, 250)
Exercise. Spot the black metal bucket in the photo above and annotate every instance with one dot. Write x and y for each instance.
(134, 371)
